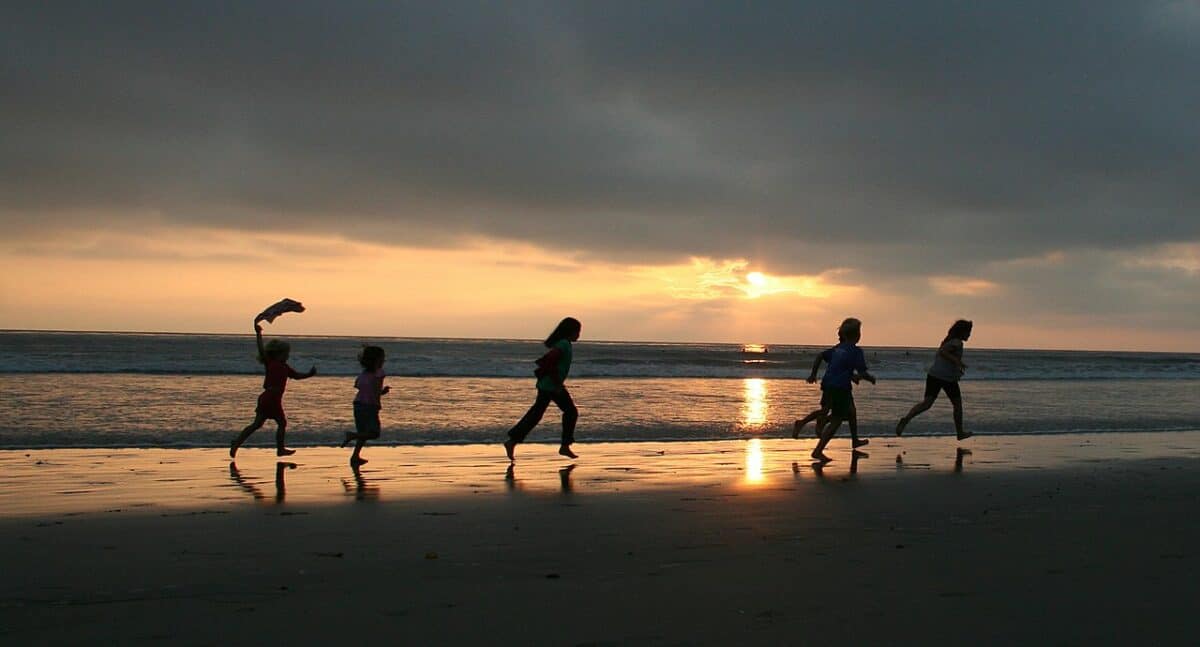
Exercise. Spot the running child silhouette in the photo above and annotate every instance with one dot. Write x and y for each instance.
(846, 361)
(367, 403)
(821, 413)
(273, 355)
(551, 387)
(943, 375)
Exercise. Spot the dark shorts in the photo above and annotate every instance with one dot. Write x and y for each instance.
(270, 406)
(366, 420)
(840, 402)
(935, 384)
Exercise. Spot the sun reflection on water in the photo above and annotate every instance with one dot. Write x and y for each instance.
(754, 461)
(754, 404)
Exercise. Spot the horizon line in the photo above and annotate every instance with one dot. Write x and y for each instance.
(598, 341)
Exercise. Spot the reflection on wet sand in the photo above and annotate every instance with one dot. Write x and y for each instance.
(564, 477)
(254, 490)
(855, 456)
(958, 459)
(754, 461)
(40, 482)
(512, 484)
(359, 486)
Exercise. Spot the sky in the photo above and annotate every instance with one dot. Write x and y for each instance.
(669, 171)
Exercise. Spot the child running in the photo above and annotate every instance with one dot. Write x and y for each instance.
(943, 375)
(845, 360)
(551, 387)
(821, 413)
(273, 355)
(366, 404)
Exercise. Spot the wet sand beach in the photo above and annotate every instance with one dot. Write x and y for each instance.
(1075, 539)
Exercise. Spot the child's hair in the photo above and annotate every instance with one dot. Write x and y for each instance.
(370, 357)
(851, 327)
(960, 329)
(566, 329)
(274, 349)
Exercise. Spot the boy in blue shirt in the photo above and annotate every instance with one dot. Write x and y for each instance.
(846, 363)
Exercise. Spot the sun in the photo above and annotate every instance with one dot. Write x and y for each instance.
(757, 279)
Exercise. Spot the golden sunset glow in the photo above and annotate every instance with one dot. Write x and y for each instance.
(754, 402)
(214, 280)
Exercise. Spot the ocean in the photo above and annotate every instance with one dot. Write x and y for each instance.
(194, 390)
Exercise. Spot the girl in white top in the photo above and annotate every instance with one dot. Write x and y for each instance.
(943, 375)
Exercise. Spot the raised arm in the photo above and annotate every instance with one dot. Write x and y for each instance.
(262, 353)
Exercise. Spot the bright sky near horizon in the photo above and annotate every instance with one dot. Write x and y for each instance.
(662, 171)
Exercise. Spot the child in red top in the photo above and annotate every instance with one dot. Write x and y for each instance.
(274, 356)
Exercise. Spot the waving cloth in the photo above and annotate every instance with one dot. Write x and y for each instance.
(287, 305)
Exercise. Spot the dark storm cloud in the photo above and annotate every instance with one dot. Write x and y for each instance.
(910, 137)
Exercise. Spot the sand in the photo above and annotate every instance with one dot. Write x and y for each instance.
(1075, 539)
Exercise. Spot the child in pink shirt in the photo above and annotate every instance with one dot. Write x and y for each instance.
(366, 404)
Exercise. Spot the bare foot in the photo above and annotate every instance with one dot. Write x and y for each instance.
(509, 446)
(357, 460)
(860, 443)
(566, 451)
(965, 435)
(796, 429)
(284, 452)
(820, 457)
(858, 454)
(901, 425)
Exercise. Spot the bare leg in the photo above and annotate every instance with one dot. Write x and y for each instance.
(821, 423)
(958, 419)
(280, 431)
(855, 441)
(815, 414)
(517, 434)
(818, 452)
(569, 418)
(355, 459)
(241, 438)
(918, 409)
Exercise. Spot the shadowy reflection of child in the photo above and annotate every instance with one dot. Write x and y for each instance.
(362, 489)
(551, 387)
(274, 356)
(253, 490)
(367, 403)
(845, 360)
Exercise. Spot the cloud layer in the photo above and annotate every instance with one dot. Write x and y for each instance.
(901, 141)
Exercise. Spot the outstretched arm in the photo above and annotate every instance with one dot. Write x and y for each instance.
(301, 376)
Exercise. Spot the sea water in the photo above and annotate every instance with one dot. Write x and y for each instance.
(183, 390)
